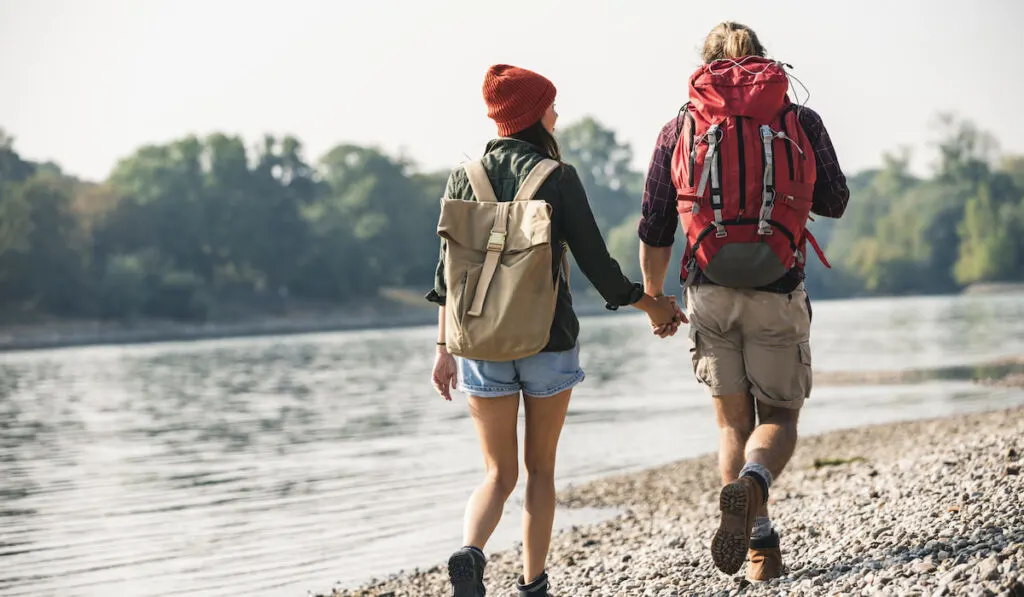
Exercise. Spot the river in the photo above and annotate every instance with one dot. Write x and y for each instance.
(281, 465)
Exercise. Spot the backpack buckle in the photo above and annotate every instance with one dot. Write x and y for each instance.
(496, 241)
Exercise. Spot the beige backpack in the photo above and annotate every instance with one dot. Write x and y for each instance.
(501, 292)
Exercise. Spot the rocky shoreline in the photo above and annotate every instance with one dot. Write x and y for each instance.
(925, 508)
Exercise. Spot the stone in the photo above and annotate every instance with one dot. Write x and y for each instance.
(923, 568)
(989, 568)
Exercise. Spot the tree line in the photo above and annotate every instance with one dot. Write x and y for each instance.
(210, 229)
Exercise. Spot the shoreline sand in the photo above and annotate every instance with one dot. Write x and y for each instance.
(932, 507)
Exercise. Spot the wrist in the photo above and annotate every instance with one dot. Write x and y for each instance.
(654, 291)
(648, 304)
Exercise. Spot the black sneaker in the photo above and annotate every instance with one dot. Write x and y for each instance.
(466, 573)
(537, 588)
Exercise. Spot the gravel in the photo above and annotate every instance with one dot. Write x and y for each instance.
(927, 508)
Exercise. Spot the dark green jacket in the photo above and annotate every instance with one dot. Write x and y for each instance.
(508, 162)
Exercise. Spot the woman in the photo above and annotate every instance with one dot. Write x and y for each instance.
(521, 103)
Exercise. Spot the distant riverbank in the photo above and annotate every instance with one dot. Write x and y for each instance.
(394, 310)
(70, 333)
(85, 333)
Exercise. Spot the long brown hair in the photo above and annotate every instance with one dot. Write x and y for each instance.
(537, 135)
(731, 40)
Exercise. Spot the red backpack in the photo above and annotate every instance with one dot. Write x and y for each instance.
(744, 171)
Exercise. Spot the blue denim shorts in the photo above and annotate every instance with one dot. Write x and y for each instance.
(539, 376)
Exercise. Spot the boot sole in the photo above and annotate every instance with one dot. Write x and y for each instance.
(729, 546)
(462, 574)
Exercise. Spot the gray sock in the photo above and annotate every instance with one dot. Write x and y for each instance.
(762, 528)
(759, 470)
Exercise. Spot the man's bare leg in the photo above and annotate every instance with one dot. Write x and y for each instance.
(774, 439)
(735, 415)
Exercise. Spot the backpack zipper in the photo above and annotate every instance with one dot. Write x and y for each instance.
(743, 170)
(741, 222)
(789, 150)
(693, 138)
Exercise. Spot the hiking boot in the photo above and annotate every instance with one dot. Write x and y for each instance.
(739, 502)
(537, 588)
(466, 573)
(765, 559)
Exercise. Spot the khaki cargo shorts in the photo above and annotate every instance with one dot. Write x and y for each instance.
(750, 340)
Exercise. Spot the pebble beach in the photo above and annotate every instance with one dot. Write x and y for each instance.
(925, 508)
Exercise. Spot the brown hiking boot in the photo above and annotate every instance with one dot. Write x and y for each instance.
(765, 559)
(739, 502)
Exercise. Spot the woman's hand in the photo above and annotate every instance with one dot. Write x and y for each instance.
(669, 329)
(663, 312)
(446, 373)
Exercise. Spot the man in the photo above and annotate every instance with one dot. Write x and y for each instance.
(750, 338)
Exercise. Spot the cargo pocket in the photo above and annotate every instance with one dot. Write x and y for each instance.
(697, 357)
(805, 374)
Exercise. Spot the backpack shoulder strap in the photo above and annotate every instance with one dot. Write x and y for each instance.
(479, 183)
(528, 191)
(682, 117)
(535, 179)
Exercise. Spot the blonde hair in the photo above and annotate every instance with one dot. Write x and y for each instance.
(731, 40)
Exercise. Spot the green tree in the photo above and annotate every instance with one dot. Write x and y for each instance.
(624, 246)
(604, 166)
(987, 252)
(1013, 166)
(965, 152)
(204, 227)
(389, 214)
(270, 229)
(47, 268)
(15, 218)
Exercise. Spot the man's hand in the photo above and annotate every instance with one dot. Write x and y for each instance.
(669, 329)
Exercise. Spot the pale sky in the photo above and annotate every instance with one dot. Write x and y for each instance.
(86, 82)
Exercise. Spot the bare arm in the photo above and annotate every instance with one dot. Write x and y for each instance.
(440, 327)
(654, 263)
(445, 375)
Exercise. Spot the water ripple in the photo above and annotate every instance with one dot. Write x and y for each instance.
(273, 466)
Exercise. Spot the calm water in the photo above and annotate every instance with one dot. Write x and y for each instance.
(276, 466)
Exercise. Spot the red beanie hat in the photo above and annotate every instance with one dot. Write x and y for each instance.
(516, 97)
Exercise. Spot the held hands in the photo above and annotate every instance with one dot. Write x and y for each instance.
(445, 373)
(667, 317)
